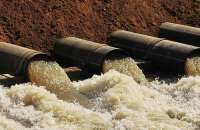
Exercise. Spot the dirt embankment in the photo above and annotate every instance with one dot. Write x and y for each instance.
(36, 23)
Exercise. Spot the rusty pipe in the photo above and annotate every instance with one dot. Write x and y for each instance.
(85, 54)
(180, 33)
(15, 59)
(171, 56)
(165, 55)
(136, 44)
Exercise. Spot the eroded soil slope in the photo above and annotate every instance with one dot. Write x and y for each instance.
(36, 23)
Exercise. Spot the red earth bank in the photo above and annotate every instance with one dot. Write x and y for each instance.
(36, 23)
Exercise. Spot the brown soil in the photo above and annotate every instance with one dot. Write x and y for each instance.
(36, 23)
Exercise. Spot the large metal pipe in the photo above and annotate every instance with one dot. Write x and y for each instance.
(84, 53)
(15, 59)
(136, 44)
(180, 33)
(166, 55)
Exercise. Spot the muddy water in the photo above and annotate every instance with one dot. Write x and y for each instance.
(122, 105)
(126, 66)
(54, 78)
(28, 106)
(118, 102)
(156, 106)
(192, 66)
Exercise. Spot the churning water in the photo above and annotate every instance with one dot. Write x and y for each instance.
(54, 78)
(117, 101)
(125, 66)
(192, 66)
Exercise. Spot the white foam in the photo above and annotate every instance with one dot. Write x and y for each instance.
(118, 103)
(54, 78)
(126, 66)
(192, 66)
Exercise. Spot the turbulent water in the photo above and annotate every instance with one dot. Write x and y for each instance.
(117, 101)
(192, 66)
(126, 66)
(54, 78)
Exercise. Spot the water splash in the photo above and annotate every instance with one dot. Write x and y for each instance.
(126, 66)
(118, 102)
(54, 78)
(192, 66)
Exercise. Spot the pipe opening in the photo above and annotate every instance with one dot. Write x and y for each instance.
(114, 55)
(122, 63)
(38, 57)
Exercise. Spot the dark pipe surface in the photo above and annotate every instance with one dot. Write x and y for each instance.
(15, 59)
(145, 66)
(166, 55)
(180, 33)
(136, 44)
(74, 51)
